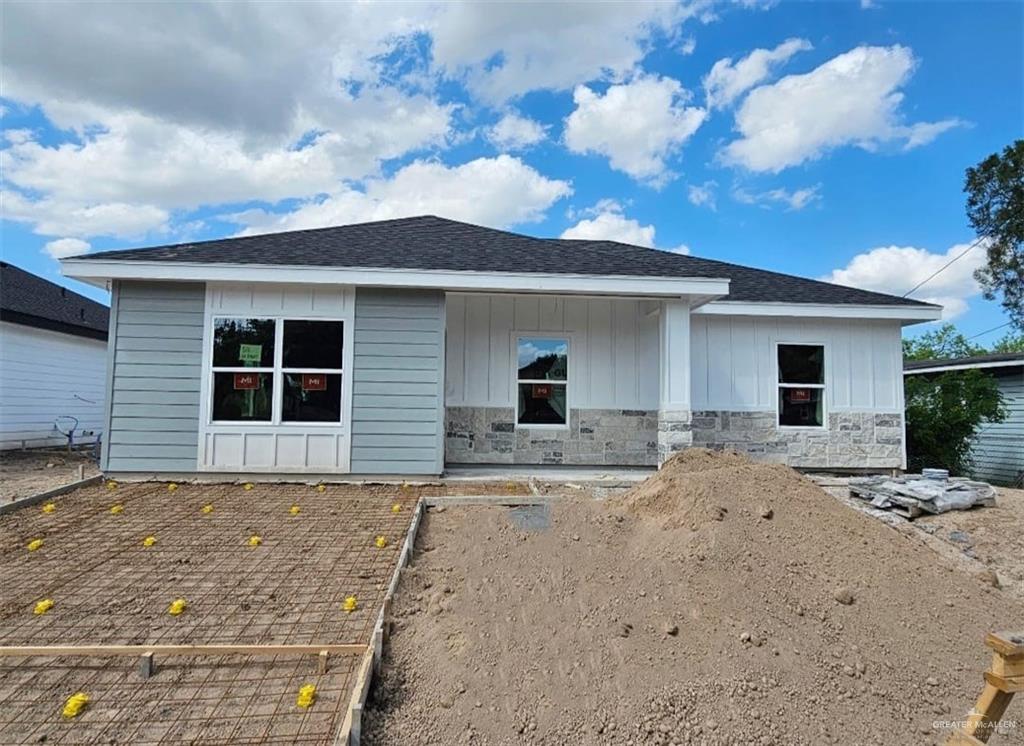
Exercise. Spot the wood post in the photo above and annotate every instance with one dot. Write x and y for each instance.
(146, 664)
(1004, 678)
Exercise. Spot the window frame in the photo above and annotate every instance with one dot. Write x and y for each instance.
(779, 385)
(277, 372)
(516, 380)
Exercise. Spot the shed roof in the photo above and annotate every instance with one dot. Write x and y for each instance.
(993, 360)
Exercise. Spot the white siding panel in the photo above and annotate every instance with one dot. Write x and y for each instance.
(45, 375)
(613, 348)
(734, 363)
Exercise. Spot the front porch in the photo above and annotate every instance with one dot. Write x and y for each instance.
(566, 380)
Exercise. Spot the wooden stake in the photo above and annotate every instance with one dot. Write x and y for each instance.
(146, 664)
(322, 661)
(1005, 677)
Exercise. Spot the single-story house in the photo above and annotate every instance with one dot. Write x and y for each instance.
(53, 360)
(997, 451)
(400, 346)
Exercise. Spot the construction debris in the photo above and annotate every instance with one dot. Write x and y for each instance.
(914, 494)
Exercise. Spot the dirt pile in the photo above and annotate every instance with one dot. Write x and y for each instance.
(720, 602)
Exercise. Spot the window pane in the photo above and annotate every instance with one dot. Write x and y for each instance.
(245, 343)
(801, 364)
(542, 404)
(311, 397)
(800, 407)
(242, 396)
(543, 359)
(312, 344)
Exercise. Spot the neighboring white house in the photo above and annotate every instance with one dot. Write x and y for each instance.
(997, 449)
(400, 346)
(53, 359)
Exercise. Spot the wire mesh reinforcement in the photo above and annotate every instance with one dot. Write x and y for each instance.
(108, 587)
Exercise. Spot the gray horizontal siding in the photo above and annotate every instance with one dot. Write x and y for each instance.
(397, 379)
(998, 448)
(156, 359)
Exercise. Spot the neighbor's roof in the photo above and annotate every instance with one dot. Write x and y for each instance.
(32, 301)
(432, 243)
(994, 360)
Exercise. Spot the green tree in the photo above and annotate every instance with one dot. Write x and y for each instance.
(940, 344)
(995, 207)
(1010, 343)
(943, 413)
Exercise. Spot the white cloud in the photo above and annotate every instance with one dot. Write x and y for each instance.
(797, 199)
(896, 269)
(502, 52)
(703, 195)
(516, 132)
(498, 192)
(610, 224)
(636, 125)
(62, 248)
(688, 46)
(728, 80)
(51, 217)
(853, 99)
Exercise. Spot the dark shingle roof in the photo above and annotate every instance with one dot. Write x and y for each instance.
(432, 243)
(32, 301)
(995, 357)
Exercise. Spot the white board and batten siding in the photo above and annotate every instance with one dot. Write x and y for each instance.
(613, 348)
(284, 448)
(398, 387)
(734, 363)
(46, 375)
(154, 377)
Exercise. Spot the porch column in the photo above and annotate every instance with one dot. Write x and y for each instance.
(674, 415)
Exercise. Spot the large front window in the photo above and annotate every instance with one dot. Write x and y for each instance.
(542, 380)
(801, 385)
(269, 370)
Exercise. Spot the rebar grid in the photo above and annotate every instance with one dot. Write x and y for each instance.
(108, 588)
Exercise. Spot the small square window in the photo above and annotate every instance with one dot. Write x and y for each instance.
(243, 397)
(312, 344)
(801, 364)
(800, 407)
(246, 343)
(311, 397)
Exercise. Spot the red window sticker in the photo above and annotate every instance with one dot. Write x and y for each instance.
(541, 391)
(247, 381)
(799, 396)
(314, 382)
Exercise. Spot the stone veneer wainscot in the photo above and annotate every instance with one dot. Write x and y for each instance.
(488, 435)
(853, 440)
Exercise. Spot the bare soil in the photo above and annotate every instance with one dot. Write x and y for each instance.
(108, 588)
(720, 602)
(30, 472)
(992, 536)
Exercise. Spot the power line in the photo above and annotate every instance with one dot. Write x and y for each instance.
(944, 266)
(993, 329)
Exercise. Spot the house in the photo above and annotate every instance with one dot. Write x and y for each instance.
(998, 447)
(400, 346)
(53, 360)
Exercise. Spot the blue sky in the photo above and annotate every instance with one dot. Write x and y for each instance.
(823, 139)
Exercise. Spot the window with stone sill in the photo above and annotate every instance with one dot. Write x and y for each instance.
(801, 385)
(542, 380)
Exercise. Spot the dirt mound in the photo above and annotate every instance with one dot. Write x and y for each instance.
(720, 602)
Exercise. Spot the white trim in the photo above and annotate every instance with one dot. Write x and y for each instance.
(514, 337)
(821, 386)
(821, 310)
(966, 366)
(529, 282)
